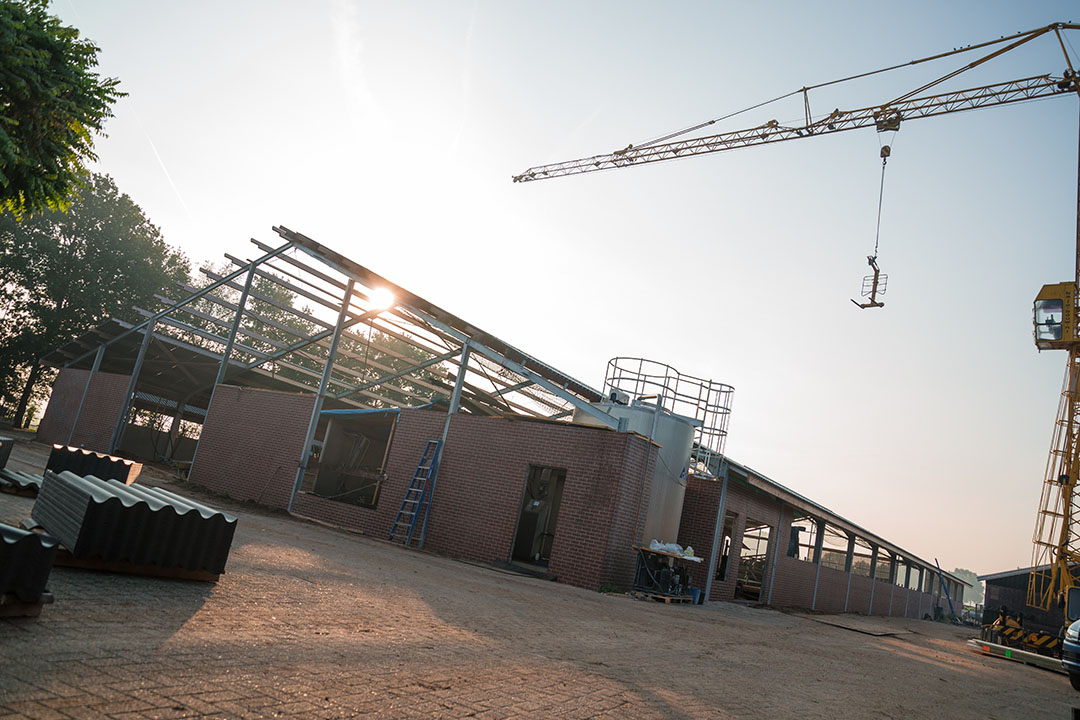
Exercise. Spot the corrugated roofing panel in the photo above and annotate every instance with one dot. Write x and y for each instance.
(87, 462)
(26, 559)
(113, 522)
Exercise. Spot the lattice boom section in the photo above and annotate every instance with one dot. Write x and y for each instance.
(1056, 556)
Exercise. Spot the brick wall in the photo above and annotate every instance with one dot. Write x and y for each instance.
(699, 518)
(482, 480)
(251, 443)
(698, 522)
(792, 584)
(859, 595)
(478, 492)
(100, 411)
(881, 597)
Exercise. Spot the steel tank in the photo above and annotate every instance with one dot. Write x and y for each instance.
(675, 436)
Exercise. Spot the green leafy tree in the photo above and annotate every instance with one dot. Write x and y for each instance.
(975, 594)
(51, 106)
(61, 273)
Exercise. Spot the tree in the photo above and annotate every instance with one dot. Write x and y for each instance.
(61, 273)
(51, 105)
(975, 595)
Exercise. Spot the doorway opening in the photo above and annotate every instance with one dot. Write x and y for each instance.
(539, 514)
(753, 561)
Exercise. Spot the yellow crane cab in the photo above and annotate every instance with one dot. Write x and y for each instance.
(1055, 317)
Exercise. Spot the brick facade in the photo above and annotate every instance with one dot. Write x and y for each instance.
(479, 488)
(251, 443)
(788, 581)
(100, 410)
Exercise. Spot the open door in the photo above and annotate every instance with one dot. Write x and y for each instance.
(539, 515)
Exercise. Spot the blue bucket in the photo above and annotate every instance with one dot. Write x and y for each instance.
(696, 594)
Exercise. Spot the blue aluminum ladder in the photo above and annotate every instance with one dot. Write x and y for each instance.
(417, 497)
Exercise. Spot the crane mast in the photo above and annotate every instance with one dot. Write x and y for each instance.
(1056, 555)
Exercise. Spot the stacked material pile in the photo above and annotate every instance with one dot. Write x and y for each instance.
(19, 483)
(26, 559)
(6, 444)
(87, 462)
(145, 527)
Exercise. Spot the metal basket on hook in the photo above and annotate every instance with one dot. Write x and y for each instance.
(868, 284)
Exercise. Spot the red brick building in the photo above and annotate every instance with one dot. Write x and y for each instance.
(330, 420)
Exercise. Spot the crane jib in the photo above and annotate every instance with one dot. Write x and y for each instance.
(881, 117)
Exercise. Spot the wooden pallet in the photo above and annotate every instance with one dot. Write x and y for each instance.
(667, 599)
(12, 606)
(64, 558)
(30, 492)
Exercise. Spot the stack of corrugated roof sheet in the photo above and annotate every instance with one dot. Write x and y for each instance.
(6, 444)
(87, 462)
(26, 559)
(143, 526)
(20, 483)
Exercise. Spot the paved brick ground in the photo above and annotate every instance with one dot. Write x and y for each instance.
(316, 623)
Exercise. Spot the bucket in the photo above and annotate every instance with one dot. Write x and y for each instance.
(696, 594)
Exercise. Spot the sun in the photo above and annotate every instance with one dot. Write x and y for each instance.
(381, 298)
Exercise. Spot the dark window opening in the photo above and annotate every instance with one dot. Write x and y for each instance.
(725, 546)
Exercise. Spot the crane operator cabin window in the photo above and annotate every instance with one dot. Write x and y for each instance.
(1048, 316)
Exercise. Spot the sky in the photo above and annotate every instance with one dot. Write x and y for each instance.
(390, 132)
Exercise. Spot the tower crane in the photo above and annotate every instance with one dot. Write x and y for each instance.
(1056, 554)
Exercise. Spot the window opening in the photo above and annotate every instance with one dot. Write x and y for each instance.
(725, 546)
(860, 562)
(802, 538)
(834, 548)
(351, 465)
(884, 562)
(539, 514)
(901, 579)
(753, 560)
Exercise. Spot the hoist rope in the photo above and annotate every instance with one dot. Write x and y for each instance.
(881, 196)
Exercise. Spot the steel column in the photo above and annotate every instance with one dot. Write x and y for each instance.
(892, 580)
(849, 561)
(907, 587)
(121, 424)
(324, 383)
(455, 403)
(237, 318)
(819, 543)
(718, 531)
(96, 366)
(873, 577)
(776, 553)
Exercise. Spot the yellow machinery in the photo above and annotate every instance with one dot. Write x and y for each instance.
(1056, 559)
(1057, 532)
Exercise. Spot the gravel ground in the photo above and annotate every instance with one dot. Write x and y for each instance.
(309, 621)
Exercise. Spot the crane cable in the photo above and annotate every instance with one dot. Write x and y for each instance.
(885, 150)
